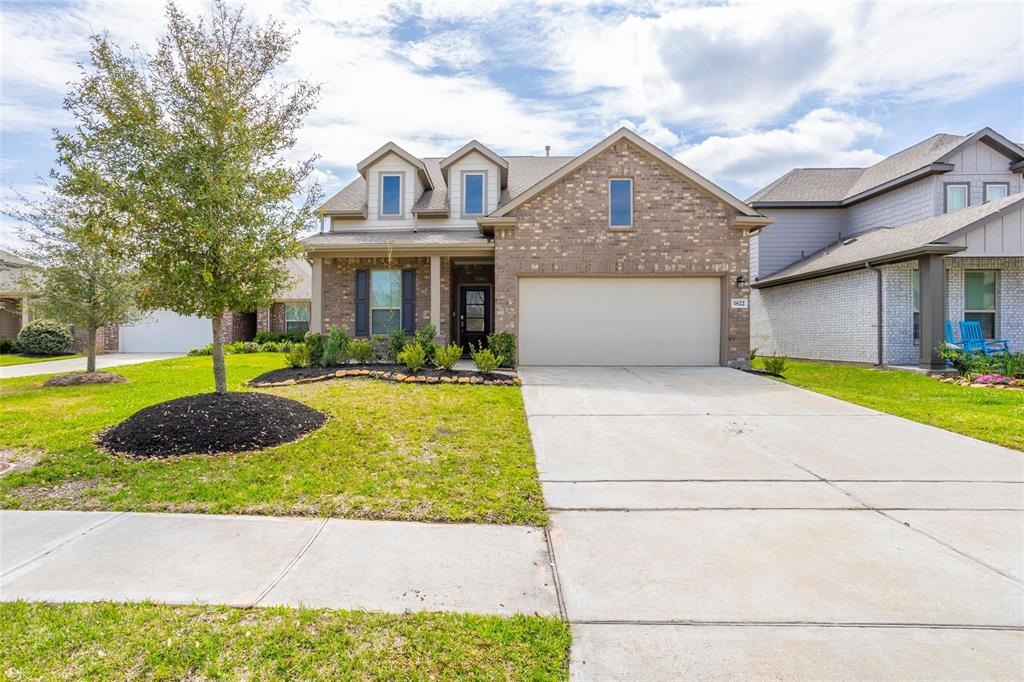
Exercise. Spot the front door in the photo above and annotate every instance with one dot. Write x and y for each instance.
(474, 316)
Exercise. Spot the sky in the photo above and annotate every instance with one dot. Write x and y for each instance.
(740, 92)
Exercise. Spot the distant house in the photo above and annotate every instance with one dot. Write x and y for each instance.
(866, 264)
(14, 309)
(621, 255)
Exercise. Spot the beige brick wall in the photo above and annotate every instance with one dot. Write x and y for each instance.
(677, 229)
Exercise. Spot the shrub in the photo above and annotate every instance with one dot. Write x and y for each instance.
(1011, 364)
(485, 359)
(203, 350)
(250, 347)
(413, 356)
(425, 337)
(361, 351)
(278, 337)
(314, 348)
(774, 364)
(753, 355)
(504, 346)
(396, 344)
(296, 355)
(8, 345)
(270, 347)
(445, 357)
(44, 337)
(335, 348)
(968, 364)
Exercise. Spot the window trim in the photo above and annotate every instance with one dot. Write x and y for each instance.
(994, 312)
(381, 215)
(632, 217)
(369, 299)
(915, 311)
(986, 185)
(308, 319)
(945, 194)
(483, 199)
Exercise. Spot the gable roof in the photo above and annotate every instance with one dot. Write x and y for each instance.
(627, 134)
(845, 186)
(888, 245)
(480, 148)
(391, 148)
(300, 287)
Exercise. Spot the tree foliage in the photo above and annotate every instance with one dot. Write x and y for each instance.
(193, 143)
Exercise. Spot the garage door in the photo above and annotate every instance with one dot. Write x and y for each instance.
(165, 332)
(619, 321)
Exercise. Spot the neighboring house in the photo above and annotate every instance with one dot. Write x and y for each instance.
(866, 264)
(621, 255)
(14, 312)
(290, 312)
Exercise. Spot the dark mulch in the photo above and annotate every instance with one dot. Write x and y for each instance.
(212, 423)
(80, 378)
(276, 375)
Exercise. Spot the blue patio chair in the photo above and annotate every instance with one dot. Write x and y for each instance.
(950, 340)
(973, 339)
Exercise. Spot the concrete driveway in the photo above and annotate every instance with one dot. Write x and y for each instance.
(708, 523)
(78, 364)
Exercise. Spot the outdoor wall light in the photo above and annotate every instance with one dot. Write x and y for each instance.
(740, 282)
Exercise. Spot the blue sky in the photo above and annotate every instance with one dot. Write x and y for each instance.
(741, 92)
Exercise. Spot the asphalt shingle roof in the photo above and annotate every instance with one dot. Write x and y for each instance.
(374, 238)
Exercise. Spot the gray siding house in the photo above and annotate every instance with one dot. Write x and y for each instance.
(866, 264)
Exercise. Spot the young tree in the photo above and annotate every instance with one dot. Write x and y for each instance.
(73, 275)
(192, 142)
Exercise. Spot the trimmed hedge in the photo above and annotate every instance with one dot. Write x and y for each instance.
(44, 337)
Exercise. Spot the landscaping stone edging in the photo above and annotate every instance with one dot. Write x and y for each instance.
(960, 381)
(395, 376)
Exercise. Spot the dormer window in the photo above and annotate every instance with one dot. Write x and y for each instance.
(996, 190)
(620, 203)
(391, 195)
(473, 194)
(957, 196)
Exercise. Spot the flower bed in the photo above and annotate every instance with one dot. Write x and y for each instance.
(289, 376)
(984, 381)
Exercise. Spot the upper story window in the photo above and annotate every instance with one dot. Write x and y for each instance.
(620, 202)
(957, 196)
(391, 195)
(473, 194)
(996, 190)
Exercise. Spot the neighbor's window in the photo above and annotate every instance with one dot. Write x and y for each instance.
(915, 285)
(473, 194)
(296, 317)
(996, 190)
(956, 196)
(980, 300)
(385, 301)
(391, 195)
(620, 203)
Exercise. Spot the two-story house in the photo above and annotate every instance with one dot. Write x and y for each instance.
(867, 264)
(621, 255)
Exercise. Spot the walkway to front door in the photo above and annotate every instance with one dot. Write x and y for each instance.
(707, 523)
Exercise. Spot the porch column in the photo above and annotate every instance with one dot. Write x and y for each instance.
(932, 272)
(435, 292)
(24, 311)
(316, 301)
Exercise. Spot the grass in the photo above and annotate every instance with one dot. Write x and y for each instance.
(105, 641)
(8, 359)
(389, 451)
(992, 415)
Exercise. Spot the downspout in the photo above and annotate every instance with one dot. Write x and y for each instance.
(869, 266)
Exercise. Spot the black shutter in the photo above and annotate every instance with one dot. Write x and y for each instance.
(409, 301)
(362, 302)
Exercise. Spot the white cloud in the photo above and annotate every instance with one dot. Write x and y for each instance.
(652, 131)
(821, 138)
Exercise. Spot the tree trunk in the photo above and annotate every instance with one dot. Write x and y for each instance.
(90, 350)
(220, 375)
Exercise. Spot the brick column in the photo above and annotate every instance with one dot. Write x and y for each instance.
(932, 271)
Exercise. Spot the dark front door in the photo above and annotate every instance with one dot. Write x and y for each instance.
(474, 316)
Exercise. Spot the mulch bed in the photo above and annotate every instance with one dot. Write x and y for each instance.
(211, 423)
(82, 378)
(398, 373)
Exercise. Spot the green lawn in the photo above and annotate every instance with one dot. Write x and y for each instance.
(8, 359)
(993, 415)
(389, 451)
(107, 641)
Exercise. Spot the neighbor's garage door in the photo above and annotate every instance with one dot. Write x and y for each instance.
(165, 332)
(619, 321)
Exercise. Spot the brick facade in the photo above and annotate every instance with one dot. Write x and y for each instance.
(106, 339)
(339, 289)
(678, 229)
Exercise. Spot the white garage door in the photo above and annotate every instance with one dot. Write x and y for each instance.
(619, 321)
(165, 332)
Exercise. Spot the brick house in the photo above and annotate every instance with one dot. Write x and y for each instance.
(867, 264)
(621, 255)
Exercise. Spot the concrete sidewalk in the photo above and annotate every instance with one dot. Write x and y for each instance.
(250, 560)
(78, 364)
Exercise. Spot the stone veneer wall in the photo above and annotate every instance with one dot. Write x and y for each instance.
(339, 289)
(106, 339)
(678, 229)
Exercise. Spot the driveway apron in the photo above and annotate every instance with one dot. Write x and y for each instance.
(709, 523)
